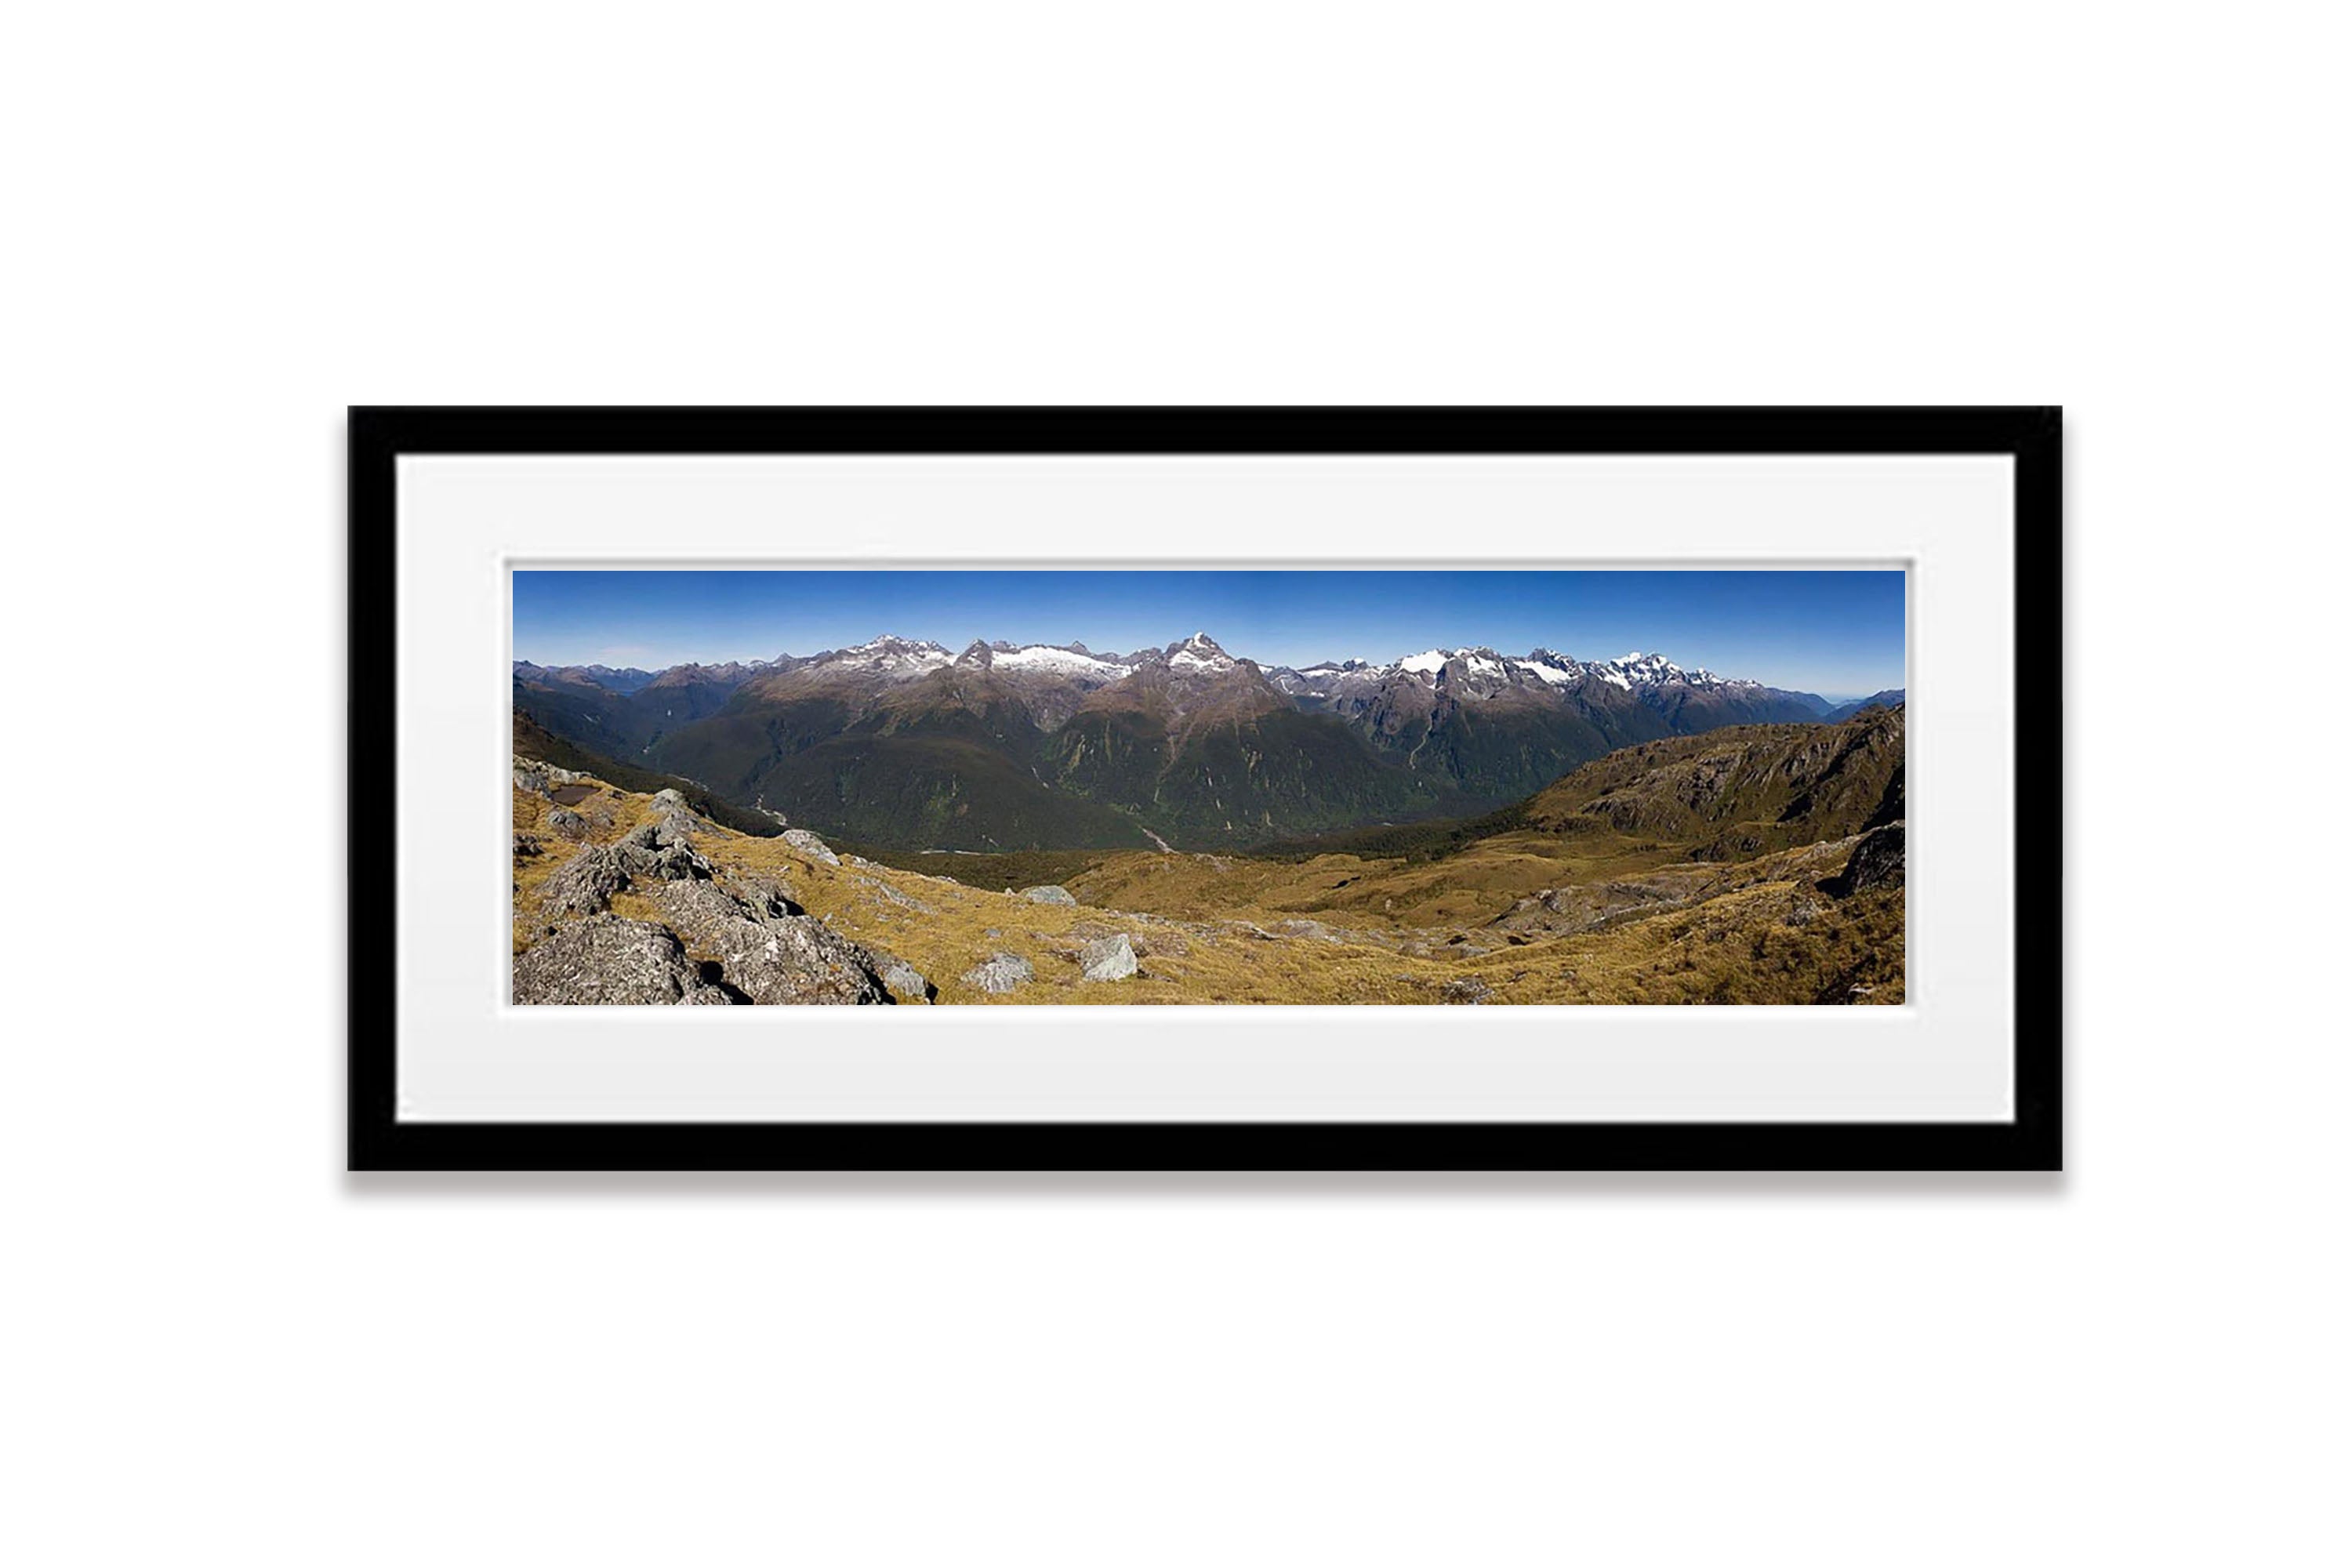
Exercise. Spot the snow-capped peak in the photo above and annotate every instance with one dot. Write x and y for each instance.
(1645, 668)
(1552, 669)
(1198, 654)
(893, 658)
(890, 642)
(1548, 666)
(1463, 673)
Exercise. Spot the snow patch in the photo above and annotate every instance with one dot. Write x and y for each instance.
(1062, 661)
(1185, 658)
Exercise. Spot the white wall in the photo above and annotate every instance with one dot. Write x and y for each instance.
(227, 221)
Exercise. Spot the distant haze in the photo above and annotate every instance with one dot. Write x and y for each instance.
(1838, 634)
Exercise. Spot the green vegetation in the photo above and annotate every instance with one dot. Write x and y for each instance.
(1503, 751)
(1020, 869)
(1411, 842)
(935, 791)
(531, 741)
(1236, 780)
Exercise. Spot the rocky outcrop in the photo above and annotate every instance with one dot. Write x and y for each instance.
(1467, 991)
(536, 777)
(809, 844)
(662, 850)
(799, 961)
(742, 941)
(1735, 793)
(670, 830)
(1002, 974)
(1048, 894)
(567, 823)
(607, 962)
(767, 895)
(1876, 862)
(1108, 957)
(653, 852)
(1558, 910)
(709, 920)
(584, 885)
(771, 959)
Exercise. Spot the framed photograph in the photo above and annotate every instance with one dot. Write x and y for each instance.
(1205, 789)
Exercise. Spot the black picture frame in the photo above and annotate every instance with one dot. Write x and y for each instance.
(379, 1141)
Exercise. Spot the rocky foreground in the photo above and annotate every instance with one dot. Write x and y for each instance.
(633, 900)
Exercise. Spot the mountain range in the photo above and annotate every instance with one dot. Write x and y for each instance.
(1005, 746)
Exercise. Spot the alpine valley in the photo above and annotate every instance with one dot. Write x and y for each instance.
(911, 746)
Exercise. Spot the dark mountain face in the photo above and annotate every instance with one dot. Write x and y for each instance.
(957, 773)
(1497, 738)
(1235, 777)
(900, 742)
(623, 720)
(531, 741)
(1689, 711)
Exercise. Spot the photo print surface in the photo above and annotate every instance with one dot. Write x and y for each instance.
(1136, 787)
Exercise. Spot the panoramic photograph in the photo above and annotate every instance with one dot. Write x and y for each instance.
(753, 787)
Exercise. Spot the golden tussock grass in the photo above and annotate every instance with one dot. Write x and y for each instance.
(1211, 928)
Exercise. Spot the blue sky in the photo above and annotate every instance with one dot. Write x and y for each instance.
(1836, 633)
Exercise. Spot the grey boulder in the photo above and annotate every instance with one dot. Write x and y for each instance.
(904, 979)
(538, 777)
(775, 961)
(1108, 957)
(1048, 894)
(1000, 974)
(607, 962)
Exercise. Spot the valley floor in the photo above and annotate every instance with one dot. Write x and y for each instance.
(684, 911)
